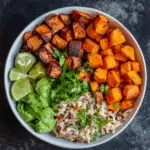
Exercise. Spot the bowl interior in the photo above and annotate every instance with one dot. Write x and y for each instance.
(47, 137)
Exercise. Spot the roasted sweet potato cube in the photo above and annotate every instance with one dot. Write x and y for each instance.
(114, 106)
(34, 42)
(113, 79)
(81, 17)
(107, 52)
(59, 42)
(54, 23)
(104, 43)
(67, 33)
(54, 70)
(109, 62)
(135, 66)
(134, 77)
(114, 95)
(100, 75)
(84, 76)
(125, 67)
(78, 30)
(117, 48)
(131, 91)
(94, 85)
(24, 47)
(126, 104)
(76, 62)
(99, 97)
(27, 35)
(49, 47)
(90, 46)
(128, 52)
(95, 60)
(98, 38)
(65, 18)
(120, 57)
(75, 48)
(116, 37)
(101, 25)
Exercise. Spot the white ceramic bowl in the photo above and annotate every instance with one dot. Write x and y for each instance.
(47, 137)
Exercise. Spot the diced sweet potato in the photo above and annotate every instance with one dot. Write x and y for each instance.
(65, 18)
(67, 33)
(54, 70)
(95, 60)
(116, 37)
(126, 104)
(84, 76)
(128, 52)
(109, 30)
(34, 42)
(90, 46)
(75, 48)
(114, 95)
(107, 52)
(125, 67)
(131, 91)
(94, 85)
(98, 38)
(104, 43)
(49, 47)
(135, 66)
(59, 42)
(78, 30)
(120, 57)
(24, 47)
(99, 97)
(54, 23)
(100, 24)
(134, 77)
(81, 17)
(27, 35)
(100, 75)
(109, 62)
(113, 78)
(114, 106)
(117, 48)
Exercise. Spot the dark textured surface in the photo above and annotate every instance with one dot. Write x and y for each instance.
(16, 14)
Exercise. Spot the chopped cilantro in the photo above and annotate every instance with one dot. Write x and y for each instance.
(96, 135)
(104, 89)
(116, 105)
(61, 60)
(82, 69)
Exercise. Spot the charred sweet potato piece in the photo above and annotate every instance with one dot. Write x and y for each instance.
(49, 47)
(107, 52)
(67, 33)
(27, 35)
(24, 47)
(100, 75)
(135, 66)
(109, 62)
(95, 60)
(75, 48)
(114, 106)
(84, 76)
(54, 23)
(90, 46)
(125, 67)
(117, 48)
(126, 104)
(68, 62)
(94, 85)
(104, 43)
(120, 57)
(54, 70)
(99, 97)
(116, 37)
(65, 18)
(81, 17)
(34, 42)
(78, 30)
(59, 42)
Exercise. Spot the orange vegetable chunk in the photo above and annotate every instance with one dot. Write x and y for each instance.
(107, 52)
(125, 67)
(100, 75)
(99, 97)
(135, 66)
(126, 104)
(94, 85)
(109, 62)
(114, 106)
(104, 43)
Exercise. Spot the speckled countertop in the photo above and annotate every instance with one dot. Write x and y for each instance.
(16, 14)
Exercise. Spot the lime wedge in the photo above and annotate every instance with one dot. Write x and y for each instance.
(24, 61)
(15, 74)
(37, 71)
(21, 88)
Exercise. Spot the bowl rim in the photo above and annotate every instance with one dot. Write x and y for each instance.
(15, 112)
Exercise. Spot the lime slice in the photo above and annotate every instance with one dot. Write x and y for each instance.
(21, 88)
(24, 61)
(15, 74)
(37, 71)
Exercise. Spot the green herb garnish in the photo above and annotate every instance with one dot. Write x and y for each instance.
(116, 105)
(104, 89)
(96, 135)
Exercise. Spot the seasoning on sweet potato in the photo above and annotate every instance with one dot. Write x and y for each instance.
(90, 46)
(125, 67)
(95, 60)
(113, 79)
(135, 66)
(59, 42)
(131, 91)
(120, 57)
(34, 42)
(104, 43)
(117, 48)
(114, 106)
(128, 52)
(126, 104)
(99, 97)
(100, 75)
(116, 37)
(134, 77)
(107, 52)
(109, 62)
(100, 24)
(65, 18)
(49, 47)
(84, 75)
(94, 85)
(81, 17)
(27, 35)
(54, 23)
(67, 33)
(114, 95)
(78, 30)
(75, 48)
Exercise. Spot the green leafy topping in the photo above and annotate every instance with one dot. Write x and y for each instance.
(104, 89)
(116, 105)
(61, 60)
(96, 135)
(94, 94)
(82, 69)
